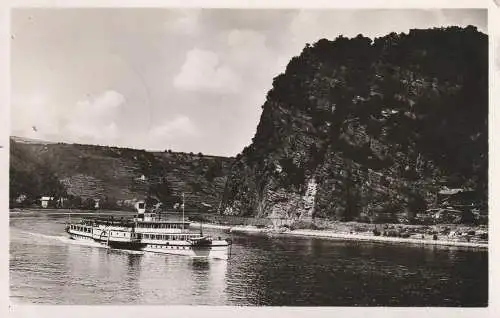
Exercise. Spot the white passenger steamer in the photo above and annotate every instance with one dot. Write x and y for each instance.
(150, 231)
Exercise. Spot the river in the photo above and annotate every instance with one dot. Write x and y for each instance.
(48, 268)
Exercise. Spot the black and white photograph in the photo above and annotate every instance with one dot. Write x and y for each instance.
(260, 157)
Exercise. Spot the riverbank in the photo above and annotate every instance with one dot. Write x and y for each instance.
(458, 235)
(50, 211)
(362, 237)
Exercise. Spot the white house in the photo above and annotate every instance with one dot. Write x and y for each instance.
(45, 201)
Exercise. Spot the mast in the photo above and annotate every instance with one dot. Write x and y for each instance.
(182, 211)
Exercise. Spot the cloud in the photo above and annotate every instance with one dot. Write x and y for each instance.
(94, 120)
(179, 126)
(203, 72)
(186, 22)
(244, 48)
(33, 110)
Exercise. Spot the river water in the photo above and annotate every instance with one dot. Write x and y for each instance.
(48, 268)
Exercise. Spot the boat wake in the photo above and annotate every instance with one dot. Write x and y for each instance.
(42, 236)
(59, 238)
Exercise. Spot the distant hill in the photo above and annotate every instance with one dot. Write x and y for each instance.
(113, 174)
(358, 128)
(25, 140)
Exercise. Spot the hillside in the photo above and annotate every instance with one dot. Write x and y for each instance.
(359, 128)
(113, 174)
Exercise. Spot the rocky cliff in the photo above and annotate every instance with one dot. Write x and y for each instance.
(360, 128)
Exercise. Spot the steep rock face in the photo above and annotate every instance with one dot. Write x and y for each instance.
(358, 127)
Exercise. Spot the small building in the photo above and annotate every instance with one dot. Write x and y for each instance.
(21, 198)
(458, 198)
(44, 201)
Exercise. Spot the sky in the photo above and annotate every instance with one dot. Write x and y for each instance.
(191, 80)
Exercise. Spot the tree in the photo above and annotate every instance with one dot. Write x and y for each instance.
(88, 204)
(416, 204)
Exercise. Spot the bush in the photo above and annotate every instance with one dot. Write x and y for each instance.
(303, 225)
(363, 219)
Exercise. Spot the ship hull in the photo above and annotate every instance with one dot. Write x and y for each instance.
(217, 251)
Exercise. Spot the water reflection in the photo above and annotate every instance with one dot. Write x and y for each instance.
(294, 271)
(276, 271)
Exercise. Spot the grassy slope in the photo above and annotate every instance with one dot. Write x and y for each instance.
(95, 171)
